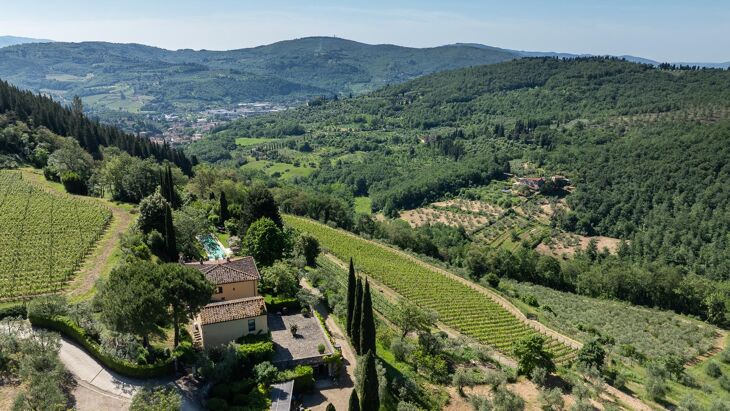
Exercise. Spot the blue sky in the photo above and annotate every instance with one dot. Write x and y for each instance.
(664, 30)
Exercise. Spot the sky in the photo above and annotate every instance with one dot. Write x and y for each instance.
(663, 30)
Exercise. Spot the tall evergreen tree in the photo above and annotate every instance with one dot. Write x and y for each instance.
(170, 241)
(370, 399)
(350, 296)
(354, 404)
(367, 322)
(223, 214)
(356, 317)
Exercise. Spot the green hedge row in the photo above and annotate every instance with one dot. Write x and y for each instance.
(67, 327)
(303, 376)
(275, 304)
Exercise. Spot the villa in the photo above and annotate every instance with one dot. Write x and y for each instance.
(236, 308)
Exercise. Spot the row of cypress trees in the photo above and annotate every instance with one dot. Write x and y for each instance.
(361, 330)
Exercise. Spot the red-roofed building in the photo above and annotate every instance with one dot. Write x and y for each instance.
(237, 308)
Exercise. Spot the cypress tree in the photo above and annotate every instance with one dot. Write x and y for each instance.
(356, 317)
(170, 241)
(350, 296)
(330, 407)
(223, 209)
(370, 399)
(354, 404)
(367, 322)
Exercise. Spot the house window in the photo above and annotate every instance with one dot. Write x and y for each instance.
(251, 326)
(219, 290)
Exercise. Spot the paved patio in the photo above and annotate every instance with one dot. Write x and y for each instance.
(301, 348)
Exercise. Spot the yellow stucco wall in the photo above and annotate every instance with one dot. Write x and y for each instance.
(234, 291)
(225, 332)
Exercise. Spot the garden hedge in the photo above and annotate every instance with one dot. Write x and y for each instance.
(13, 311)
(275, 303)
(303, 376)
(67, 327)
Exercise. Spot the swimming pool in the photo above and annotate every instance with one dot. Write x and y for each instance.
(214, 249)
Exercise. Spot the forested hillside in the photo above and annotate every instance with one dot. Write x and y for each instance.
(41, 111)
(164, 80)
(645, 149)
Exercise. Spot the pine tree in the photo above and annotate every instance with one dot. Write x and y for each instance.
(170, 241)
(350, 296)
(223, 209)
(356, 317)
(354, 404)
(370, 399)
(367, 322)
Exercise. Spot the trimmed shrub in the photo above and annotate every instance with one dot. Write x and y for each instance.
(67, 327)
(253, 353)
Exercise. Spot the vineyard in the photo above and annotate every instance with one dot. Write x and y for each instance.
(458, 306)
(44, 237)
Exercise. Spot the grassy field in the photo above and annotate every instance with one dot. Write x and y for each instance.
(458, 306)
(250, 141)
(49, 234)
(281, 170)
(363, 205)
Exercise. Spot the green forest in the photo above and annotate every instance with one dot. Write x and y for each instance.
(644, 147)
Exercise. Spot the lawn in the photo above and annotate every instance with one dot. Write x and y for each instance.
(284, 171)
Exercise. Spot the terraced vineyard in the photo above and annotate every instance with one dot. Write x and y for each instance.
(457, 305)
(44, 236)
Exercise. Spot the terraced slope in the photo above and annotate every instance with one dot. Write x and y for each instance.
(44, 237)
(460, 306)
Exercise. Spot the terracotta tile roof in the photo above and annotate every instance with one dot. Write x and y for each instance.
(234, 271)
(232, 310)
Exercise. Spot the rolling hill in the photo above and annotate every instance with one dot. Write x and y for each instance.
(6, 41)
(148, 78)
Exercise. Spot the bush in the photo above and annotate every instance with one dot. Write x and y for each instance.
(255, 352)
(539, 376)
(725, 355)
(724, 382)
(265, 373)
(713, 370)
(73, 183)
(492, 279)
(13, 311)
(656, 388)
(530, 300)
(67, 327)
(400, 349)
(47, 306)
(551, 400)
(303, 376)
(154, 399)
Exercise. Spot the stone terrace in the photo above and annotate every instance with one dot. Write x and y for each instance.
(302, 348)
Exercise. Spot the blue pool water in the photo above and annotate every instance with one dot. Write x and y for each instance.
(212, 247)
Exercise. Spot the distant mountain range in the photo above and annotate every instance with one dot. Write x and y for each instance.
(138, 78)
(12, 41)
(134, 77)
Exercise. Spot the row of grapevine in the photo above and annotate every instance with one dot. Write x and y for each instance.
(457, 305)
(44, 236)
